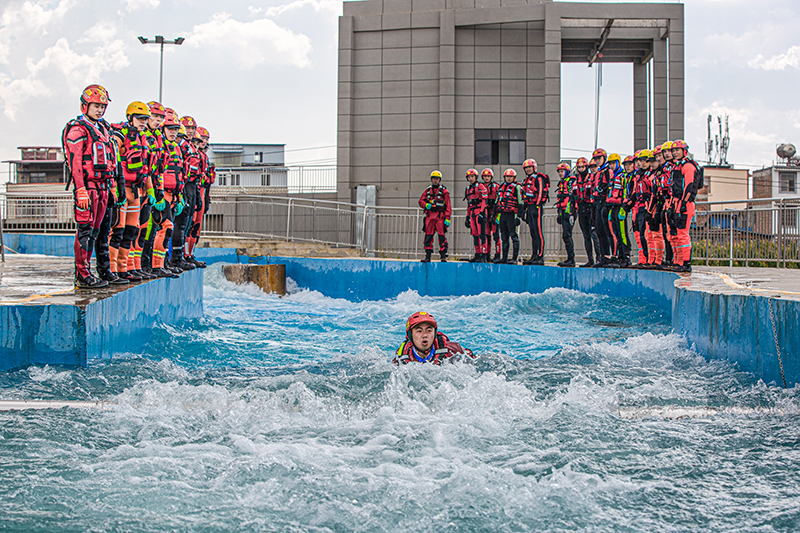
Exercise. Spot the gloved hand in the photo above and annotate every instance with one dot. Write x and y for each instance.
(151, 196)
(428, 206)
(516, 221)
(122, 199)
(179, 205)
(446, 223)
(559, 219)
(160, 205)
(681, 221)
(622, 215)
(82, 198)
(497, 219)
(466, 222)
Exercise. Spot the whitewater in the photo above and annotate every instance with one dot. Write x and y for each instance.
(580, 413)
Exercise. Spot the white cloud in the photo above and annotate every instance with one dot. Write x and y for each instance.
(790, 58)
(334, 6)
(25, 19)
(251, 43)
(134, 5)
(60, 67)
(102, 32)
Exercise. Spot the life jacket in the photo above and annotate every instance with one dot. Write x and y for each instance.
(616, 189)
(443, 348)
(564, 194)
(530, 189)
(600, 181)
(99, 159)
(508, 197)
(134, 155)
(435, 197)
(585, 184)
(155, 146)
(642, 188)
(191, 157)
(207, 169)
(475, 195)
(491, 194)
(698, 180)
(173, 175)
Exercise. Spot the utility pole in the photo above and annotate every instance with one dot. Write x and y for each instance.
(161, 41)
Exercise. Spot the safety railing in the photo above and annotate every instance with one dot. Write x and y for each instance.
(762, 232)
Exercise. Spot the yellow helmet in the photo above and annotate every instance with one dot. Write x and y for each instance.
(647, 154)
(137, 108)
(182, 130)
(667, 145)
(436, 174)
(614, 157)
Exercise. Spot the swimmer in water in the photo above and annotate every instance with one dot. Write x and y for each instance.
(425, 343)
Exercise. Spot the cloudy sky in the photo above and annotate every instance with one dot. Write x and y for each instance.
(265, 71)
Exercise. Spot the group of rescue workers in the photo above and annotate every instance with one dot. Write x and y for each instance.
(654, 189)
(141, 189)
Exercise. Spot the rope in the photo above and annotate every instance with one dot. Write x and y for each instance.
(775, 334)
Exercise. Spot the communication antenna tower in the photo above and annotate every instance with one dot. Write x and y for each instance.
(709, 144)
(717, 145)
(726, 142)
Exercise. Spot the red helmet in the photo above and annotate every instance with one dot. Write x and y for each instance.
(599, 152)
(563, 166)
(203, 133)
(420, 317)
(510, 172)
(657, 150)
(93, 94)
(487, 172)
(188, 122)
(156, 109)
(592, 163)
(471, 172)
(170, 121)
(582, 161)
(628, 159)
(529, 163)
(680, 144)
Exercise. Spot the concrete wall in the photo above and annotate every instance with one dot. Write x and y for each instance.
(37, 333)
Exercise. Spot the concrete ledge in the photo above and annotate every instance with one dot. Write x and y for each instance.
(69, 327)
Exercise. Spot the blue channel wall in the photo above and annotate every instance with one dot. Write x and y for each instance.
(721, 326)
(61, 334)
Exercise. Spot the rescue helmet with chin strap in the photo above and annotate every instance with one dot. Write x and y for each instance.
(529, 163)
(137, 109)
(420, 317)
(471, 172)
(94, 94)
(157, 109)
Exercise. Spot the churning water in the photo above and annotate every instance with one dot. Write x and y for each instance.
(581, 413)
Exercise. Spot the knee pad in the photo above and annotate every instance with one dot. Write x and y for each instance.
(116, 237)
(84, 236)
(129, 234)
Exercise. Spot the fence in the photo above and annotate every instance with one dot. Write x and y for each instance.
(761, 233)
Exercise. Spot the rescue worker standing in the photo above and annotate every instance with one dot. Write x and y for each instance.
(686, 180)
(535, 190)
(492, 228)
(566, 190)
(184, 220)
(435, 200)
(134, 157)
(600, 179)
(91, 161)
(655, 208)
(509, 207)
(172, 181)
(639, 199)
(424, 343)
(585, 199)
(150, 217)
(477, 216)
(617, 215)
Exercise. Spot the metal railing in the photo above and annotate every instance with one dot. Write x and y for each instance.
(762, 232)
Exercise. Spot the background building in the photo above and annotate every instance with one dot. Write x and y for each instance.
(40, 168)
(454, 84)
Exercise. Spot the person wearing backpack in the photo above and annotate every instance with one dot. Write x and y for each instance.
(91, 162)
(535, 190)
(687, 179)
(566, 192)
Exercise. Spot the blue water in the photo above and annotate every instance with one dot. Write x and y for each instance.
(581, 413)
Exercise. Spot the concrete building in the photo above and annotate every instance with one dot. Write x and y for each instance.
(40, 168)
(724, 184)
(454, 84)
(252, 167)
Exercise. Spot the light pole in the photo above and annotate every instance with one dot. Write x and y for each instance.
(161, 41)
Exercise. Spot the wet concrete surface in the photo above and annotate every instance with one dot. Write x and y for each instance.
(766, 282)
(46, 280)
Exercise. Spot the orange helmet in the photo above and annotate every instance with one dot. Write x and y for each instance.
(156, 109)
(529, 163)
(420, 317)
(599, 152)
(188, 122)
(628, 159)
(582, 161)
(137, 109)
(203, 133)
(680, 144)
(510, 172)
(471, 172)
(563, 166)
(93, 94)
(487, 172)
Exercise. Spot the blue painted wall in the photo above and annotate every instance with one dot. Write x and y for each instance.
(75, 334)
(24, 243)
(721, 326)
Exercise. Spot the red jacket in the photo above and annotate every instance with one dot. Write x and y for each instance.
(439, 198)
